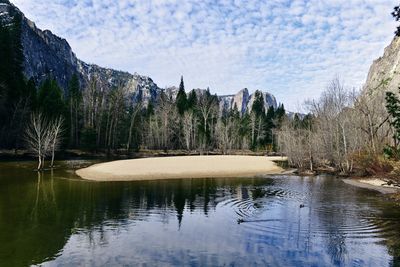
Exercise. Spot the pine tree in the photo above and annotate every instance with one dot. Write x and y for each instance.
(50, 100)
(280, 111)
(393, 108)
(396, 15)
(280, 114)
(31, 93)
(258, 121)
(181, 98)
(15, 94)
(149, 110)
(182, 85)
(192, 100)
(258, 104)
(74, 88)
(270, 114)
(269, 124)
(11, 60)
(73, 102)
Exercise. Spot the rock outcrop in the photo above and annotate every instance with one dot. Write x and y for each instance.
(243, 101)
(46, 54)
(269, 101)
(384, 73)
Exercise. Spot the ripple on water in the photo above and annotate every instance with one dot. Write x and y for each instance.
(277, 213)
(194, 222)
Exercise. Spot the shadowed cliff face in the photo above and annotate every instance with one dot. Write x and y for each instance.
(46, 54)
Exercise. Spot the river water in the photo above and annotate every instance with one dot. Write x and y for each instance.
(57, 219)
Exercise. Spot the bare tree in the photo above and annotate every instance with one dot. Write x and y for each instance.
(94, 106)
(167, 116)
(207, 104)
(294, 142)
(37, 137)
(253, 124)
(43, 137)
(187, 125)
(373, 116)
(225, 134)
(163, 126)
(136, 109)
(343, 125)
(55, 130)
(116, 106)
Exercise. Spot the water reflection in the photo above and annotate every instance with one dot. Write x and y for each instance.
(54, 218)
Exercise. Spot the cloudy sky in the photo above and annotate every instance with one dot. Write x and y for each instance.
(289, 48)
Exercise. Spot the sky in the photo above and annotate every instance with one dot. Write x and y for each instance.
(291, 49)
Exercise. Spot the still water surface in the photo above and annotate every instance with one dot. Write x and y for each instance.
(56, 219)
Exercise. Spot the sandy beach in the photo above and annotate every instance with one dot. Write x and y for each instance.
(181, 167)
(373, 184)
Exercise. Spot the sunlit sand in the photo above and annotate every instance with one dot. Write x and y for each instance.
(374, 184)
(182, 167)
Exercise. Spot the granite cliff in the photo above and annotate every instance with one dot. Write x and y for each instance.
(384, 73)
(243, 101)
(46, 54)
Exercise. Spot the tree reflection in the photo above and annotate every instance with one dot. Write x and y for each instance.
(38, 214)
(331, 220)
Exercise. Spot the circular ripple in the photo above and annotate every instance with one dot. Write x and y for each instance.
(275, 212)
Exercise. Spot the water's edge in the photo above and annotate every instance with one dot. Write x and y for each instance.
(381, 189)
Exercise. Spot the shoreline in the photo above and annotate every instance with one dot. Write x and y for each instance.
(373, 184)
(181, 167)
(121, 154)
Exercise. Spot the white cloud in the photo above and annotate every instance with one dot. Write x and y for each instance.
(291, 50)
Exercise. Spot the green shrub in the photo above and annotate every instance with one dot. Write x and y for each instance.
(391, 152)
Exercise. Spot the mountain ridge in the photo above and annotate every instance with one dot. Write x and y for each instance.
(46, 54)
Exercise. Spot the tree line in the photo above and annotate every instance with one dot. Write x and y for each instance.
(45, 117)
(17, 95)
(346, 131)
(98, 119)
(95, 118)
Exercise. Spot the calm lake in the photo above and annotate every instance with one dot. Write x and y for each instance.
(57, 219)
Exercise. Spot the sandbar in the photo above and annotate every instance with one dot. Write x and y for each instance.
(373, 184)
(181, 167)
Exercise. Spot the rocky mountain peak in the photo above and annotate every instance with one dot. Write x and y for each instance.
(46, 54)
(243, 101)
(7, 12)
(240, 100)
(269, 101)
(171, 92)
